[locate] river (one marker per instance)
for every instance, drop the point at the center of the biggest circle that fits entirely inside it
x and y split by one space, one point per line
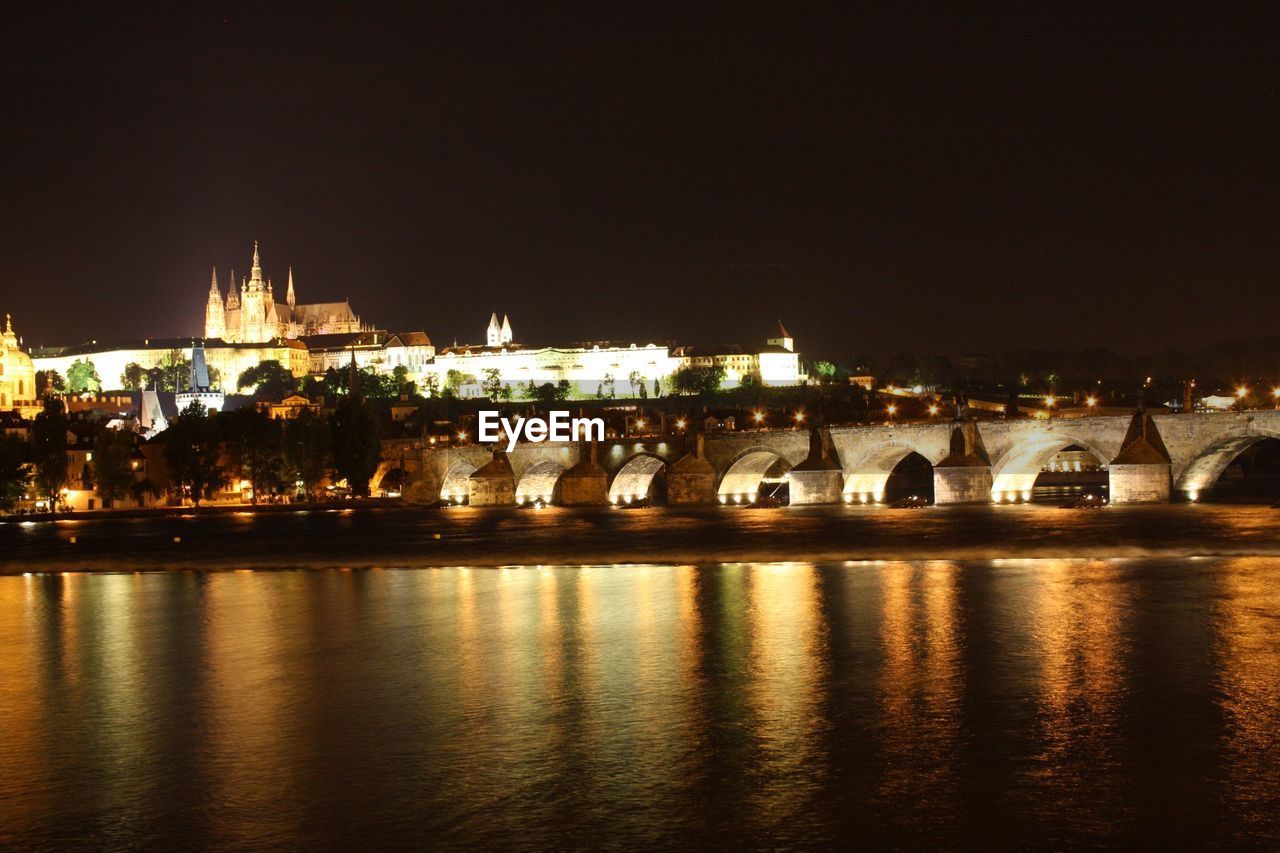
1123 692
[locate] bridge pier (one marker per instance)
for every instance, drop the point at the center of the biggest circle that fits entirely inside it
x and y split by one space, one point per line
964 474
691 478
818 479
1142 471
586 483
962 485
494 484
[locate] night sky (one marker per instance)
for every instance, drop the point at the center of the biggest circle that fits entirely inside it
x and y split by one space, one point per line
880 178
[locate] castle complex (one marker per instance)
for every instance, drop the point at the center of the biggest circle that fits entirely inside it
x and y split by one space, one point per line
247 326
252 316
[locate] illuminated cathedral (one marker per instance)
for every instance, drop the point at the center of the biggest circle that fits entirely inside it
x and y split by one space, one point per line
250 314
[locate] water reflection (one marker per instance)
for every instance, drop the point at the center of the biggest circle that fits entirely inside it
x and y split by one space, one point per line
1007 703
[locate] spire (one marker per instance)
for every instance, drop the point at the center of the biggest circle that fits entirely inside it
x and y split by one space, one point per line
213 284
782 330
255 273
289 297
494 335
506 330
353 376
8 323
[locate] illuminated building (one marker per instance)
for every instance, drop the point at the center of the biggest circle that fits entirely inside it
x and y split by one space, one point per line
17 375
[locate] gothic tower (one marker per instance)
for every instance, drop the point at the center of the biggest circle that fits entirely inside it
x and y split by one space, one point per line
289 298
253 305
493 337
215 321
506 330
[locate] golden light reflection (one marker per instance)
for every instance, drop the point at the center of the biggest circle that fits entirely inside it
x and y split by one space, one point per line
922 682
250 646
1249 651
790 669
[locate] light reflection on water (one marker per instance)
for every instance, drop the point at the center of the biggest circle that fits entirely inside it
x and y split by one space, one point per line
1046 702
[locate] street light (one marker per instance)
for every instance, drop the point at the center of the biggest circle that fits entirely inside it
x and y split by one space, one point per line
892 409
462 436
1048 405
933 409
1091 402
759 416
1241 393
680 423
799 416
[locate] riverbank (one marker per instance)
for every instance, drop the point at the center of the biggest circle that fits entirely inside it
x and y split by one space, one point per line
203 509
332 536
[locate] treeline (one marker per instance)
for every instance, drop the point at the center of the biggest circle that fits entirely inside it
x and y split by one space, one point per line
203 450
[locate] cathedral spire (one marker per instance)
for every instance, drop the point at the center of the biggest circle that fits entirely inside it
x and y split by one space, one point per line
255 272
213 284
289 297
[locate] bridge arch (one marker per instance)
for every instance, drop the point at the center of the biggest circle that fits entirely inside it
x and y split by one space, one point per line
1208 464
867 474
743 477
1014 473
635 478
454 485
540 480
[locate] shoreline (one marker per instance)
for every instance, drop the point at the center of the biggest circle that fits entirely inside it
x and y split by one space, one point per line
293 538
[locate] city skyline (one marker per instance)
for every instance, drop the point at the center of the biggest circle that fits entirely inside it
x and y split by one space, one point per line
832 165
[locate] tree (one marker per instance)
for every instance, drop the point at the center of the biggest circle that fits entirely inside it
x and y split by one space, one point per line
254 439
492 383
698 380
82 377
215 378
356 446
431 385
267 380
15 470
49 382
400 376
49 438
193 452
112 472
825 371
453 382
607 386
635 380
175 371
134 377
306 450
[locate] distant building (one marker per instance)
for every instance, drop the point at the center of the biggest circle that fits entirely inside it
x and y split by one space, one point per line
776 363
17 375
596 367
199 390
250 313
228 360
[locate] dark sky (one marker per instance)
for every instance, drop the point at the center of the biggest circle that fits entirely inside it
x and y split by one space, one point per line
880 177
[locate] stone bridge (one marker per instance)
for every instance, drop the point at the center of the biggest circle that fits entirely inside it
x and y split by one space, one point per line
1148 458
